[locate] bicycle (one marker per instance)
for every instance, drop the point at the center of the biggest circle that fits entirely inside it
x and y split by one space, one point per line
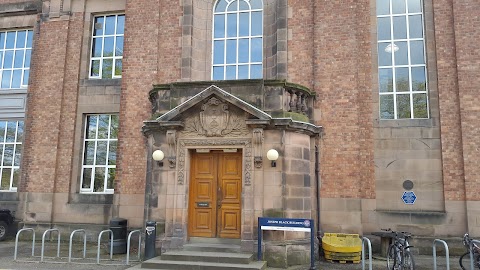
399 256
467 242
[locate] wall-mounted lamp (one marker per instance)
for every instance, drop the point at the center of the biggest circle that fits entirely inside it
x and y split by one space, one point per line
272 155
158 156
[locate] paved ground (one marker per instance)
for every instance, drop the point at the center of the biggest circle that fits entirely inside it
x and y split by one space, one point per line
24 253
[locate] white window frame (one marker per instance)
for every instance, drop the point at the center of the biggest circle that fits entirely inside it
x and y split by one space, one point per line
23 68
93 166
101 58
409 65
237 38
3 144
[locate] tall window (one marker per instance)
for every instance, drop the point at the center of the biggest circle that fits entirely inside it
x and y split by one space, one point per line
107 47
237 40
15 54
11 136
401 59
99 154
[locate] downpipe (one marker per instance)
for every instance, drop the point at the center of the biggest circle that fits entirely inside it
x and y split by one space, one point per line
317 187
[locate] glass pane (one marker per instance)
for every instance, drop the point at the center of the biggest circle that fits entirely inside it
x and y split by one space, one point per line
95 71
18 155
383 7
114 127
21 38
11 130
385 79
218 73
112 153
17 78
118 67
103 121
256 50
231 25
231 73
418 79
99 180
399 27
233 6
384 54
120 24
6 175
420 106
416 49
98 26
403 106
398 6
16 177
243 50
402 82
231 51
1 57
3 126
414 6
26 74
383 28
91 126
29 39
2 39
108 47
110 25
386 107
87 177
18 62
111 178
244 24
8 61
10 40
89 153
256 4
119 46
218 52
8 155
243 5
19 132
256 72
257 24
219 26
27 58
221 5
107 68
401 55
6 76
415 26
101 155
97 47
243 72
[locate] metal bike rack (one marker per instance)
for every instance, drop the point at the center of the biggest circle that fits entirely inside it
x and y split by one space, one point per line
471 252
447 255
43 242
128 245
111 245
84 244
16 241
365 239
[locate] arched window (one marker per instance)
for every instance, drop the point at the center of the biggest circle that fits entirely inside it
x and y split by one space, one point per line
237 40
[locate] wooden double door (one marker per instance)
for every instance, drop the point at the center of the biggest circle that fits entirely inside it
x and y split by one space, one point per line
215 195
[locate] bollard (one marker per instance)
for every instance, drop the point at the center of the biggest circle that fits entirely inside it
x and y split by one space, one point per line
150 238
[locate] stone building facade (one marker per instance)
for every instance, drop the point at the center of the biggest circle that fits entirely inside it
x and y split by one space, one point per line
386 90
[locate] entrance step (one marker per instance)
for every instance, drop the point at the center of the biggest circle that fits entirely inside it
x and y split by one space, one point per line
158 263
217 257
212 247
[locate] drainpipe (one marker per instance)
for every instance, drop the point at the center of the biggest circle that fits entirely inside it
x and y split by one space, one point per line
317 183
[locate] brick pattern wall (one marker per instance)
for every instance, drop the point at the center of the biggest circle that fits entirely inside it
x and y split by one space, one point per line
450 120
467 33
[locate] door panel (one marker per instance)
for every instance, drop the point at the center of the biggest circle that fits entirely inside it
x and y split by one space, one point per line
215 195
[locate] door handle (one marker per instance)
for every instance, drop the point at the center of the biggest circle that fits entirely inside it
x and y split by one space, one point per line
219 197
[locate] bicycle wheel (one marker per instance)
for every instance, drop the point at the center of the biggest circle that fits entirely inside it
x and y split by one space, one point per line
392 263
464 260
408 262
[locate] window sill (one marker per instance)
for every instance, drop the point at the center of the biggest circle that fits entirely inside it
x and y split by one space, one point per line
91 198
102 82
406 123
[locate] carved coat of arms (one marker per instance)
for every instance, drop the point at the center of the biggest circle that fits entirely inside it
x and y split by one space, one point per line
214 117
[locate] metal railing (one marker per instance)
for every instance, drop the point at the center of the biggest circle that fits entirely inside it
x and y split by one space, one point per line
369 244
111 245
84 244
447 254
43 243
128 245
16 241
